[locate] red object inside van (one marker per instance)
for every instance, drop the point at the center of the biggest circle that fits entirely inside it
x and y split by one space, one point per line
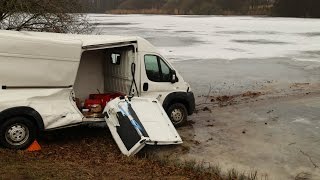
90 102
101 99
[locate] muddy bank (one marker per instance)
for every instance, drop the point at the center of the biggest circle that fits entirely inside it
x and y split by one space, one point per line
253 115
277 136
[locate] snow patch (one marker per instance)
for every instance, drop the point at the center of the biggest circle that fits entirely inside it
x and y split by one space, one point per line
302 120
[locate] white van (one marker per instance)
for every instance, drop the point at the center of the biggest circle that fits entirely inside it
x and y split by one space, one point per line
46 79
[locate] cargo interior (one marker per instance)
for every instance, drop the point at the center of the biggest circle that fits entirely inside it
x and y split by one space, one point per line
102 73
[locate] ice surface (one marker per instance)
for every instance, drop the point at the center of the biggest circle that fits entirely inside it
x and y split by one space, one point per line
220 37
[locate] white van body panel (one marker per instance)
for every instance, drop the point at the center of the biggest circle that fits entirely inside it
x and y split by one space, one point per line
32 61
39 70
28 65
119 77
137 122
54 105
160 90
97 74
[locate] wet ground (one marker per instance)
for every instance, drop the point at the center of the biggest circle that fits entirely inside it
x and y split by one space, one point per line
279 137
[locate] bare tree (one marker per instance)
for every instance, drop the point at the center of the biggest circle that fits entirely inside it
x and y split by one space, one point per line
61 16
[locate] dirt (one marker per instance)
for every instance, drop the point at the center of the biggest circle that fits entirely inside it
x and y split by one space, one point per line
85 153
227 100
212 100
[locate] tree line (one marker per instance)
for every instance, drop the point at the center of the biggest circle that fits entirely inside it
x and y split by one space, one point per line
288 8
69 16
297 8
61 16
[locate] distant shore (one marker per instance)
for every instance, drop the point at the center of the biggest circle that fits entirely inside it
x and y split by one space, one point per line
264 13
260 12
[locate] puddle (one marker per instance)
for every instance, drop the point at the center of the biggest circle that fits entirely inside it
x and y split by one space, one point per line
163 29
248 32
170 41
311 34
235 49
184 31
315 53
308 55
258 41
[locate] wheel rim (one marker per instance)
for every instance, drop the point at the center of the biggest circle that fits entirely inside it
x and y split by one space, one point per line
177 116
17 134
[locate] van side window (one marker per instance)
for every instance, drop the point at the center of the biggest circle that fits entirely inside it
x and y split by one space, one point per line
157 70
152 68
166 73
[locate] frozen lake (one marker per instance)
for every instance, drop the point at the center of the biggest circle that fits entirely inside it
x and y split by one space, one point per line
231 54
220 37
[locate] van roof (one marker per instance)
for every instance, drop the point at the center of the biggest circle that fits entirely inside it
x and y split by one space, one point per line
50 59
87 40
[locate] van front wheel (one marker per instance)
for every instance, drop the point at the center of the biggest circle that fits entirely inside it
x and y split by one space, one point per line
17 133
178 114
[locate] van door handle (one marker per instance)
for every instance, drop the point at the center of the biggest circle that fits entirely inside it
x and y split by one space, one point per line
145 86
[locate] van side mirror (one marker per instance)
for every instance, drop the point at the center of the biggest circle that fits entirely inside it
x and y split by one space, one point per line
174 78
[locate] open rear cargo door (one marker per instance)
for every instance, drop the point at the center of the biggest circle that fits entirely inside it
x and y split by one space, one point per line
137 122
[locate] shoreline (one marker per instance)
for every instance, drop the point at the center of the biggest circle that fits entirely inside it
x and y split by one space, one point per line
186 14
263 134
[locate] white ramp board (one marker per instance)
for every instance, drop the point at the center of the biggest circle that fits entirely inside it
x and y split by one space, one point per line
137 122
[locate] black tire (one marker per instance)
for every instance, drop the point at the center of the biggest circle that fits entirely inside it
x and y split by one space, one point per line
178 114
18 133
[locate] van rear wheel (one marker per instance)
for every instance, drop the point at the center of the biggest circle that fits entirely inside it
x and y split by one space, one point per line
178 114
17 133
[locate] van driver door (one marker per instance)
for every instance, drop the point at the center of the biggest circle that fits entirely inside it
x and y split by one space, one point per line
156 77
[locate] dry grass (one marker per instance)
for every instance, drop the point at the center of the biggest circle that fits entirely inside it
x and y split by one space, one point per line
203 170
90 153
